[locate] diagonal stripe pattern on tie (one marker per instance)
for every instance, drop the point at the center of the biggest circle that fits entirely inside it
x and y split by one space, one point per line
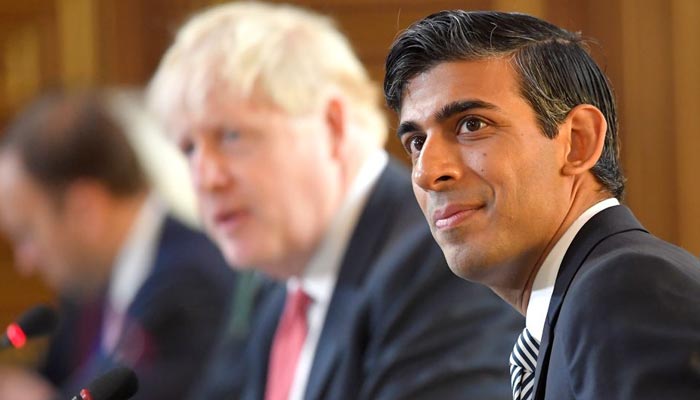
523 360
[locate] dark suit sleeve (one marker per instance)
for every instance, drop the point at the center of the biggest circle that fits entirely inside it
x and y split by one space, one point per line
177 330
630 329
433 335
226 371
176 315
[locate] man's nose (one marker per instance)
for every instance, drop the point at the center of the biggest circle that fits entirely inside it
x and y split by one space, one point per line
438 165
209 171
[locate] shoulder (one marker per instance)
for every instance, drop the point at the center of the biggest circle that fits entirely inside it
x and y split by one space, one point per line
632 312
184 240
187 269
188 251
636 265
632 276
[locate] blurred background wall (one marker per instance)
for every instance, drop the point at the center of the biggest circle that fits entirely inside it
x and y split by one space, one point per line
649 48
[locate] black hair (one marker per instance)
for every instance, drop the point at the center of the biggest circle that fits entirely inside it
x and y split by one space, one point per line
555 70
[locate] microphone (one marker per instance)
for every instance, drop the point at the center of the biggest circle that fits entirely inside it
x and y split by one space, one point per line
119 383
37 321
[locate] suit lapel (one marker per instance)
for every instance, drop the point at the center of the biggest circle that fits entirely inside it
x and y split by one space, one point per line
258 351
169 248
366 242
606 223
331 343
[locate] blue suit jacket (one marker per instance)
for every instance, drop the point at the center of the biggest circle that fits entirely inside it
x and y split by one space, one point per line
171 324
624 320
399 325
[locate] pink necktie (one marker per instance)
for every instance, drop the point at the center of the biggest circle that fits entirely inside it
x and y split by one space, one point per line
286 346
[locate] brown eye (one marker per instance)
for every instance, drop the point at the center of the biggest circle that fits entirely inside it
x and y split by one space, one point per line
414 144
471 124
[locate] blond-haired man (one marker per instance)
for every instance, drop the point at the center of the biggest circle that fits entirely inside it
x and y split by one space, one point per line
284 137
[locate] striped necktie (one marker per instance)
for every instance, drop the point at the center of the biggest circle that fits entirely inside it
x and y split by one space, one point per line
523 360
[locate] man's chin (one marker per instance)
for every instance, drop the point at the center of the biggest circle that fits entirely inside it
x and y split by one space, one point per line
468 265
466 273
238 259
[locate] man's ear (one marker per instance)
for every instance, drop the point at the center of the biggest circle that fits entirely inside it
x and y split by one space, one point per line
335 121
586 127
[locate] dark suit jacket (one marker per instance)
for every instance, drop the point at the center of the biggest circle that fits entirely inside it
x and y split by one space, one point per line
225 371
171 324
399 325
624 320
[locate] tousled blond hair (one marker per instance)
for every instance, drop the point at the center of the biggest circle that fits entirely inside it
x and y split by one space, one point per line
290 55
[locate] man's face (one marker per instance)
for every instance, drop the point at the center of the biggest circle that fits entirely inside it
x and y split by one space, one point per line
267 182
41 232
487 179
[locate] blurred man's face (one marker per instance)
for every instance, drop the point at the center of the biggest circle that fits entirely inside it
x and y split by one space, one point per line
42 234
489 182
267 183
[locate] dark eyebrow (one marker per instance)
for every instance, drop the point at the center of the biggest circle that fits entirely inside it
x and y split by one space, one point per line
445 113
460 106
406 127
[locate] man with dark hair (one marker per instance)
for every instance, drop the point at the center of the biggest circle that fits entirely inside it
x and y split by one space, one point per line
139 288
512 131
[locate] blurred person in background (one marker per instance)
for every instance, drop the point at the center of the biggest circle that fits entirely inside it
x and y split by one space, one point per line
284 136
138 287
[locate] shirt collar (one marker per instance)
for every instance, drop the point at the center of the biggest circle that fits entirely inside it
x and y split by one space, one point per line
320 275
135 259
543 286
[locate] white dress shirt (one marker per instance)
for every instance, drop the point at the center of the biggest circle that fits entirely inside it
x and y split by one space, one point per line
321 274
131 268
543 286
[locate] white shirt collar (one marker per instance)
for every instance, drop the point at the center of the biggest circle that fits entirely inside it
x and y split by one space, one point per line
543 286
318 279
135 259
320 276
